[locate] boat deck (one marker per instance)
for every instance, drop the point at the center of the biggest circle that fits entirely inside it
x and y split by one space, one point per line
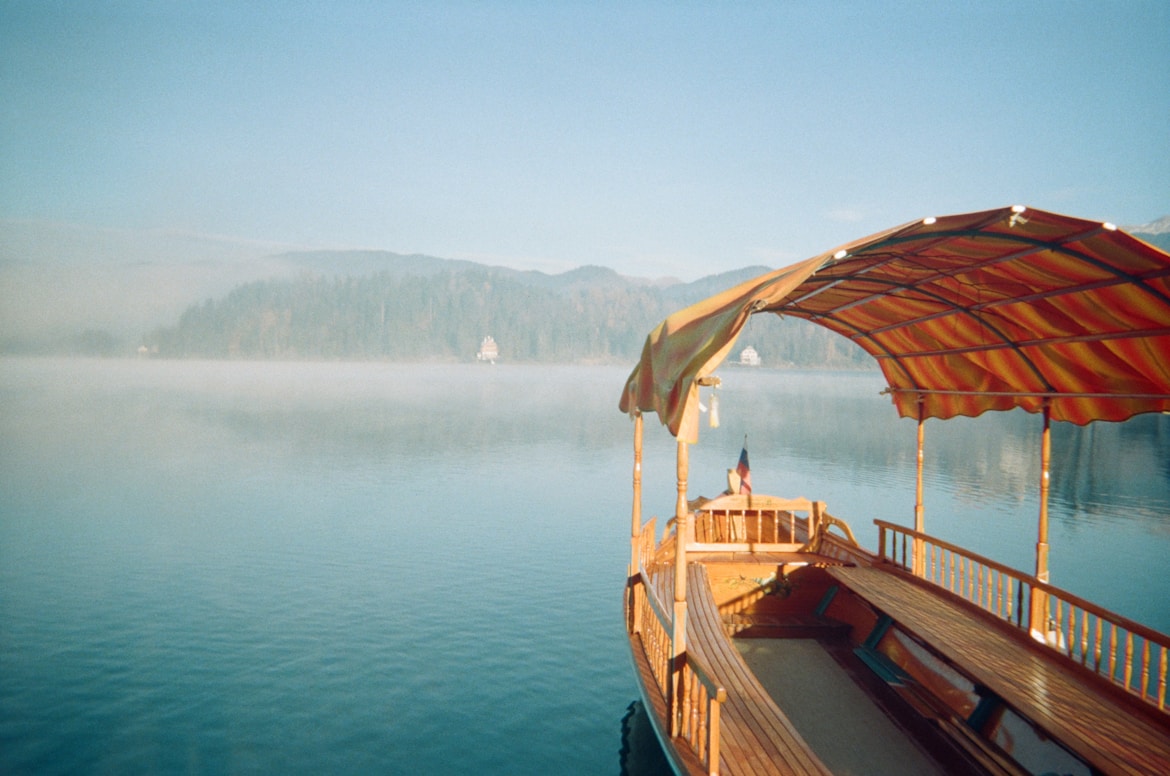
838 718
1108 730
1102 728
759 738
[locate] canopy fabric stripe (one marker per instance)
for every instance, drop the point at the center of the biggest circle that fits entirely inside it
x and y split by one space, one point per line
965 313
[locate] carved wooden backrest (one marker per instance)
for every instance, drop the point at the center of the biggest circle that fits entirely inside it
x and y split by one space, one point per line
744 517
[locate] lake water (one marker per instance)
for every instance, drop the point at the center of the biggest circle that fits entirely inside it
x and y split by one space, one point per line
377 568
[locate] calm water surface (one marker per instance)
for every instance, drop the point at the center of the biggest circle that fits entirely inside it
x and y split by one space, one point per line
372 568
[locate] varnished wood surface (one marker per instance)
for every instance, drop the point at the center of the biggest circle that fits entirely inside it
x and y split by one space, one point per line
758 739
764 558
682 757
1095 724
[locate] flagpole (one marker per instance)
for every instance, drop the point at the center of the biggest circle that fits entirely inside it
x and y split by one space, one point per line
744 470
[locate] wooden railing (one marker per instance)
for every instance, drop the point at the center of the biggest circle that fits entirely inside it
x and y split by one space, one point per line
1126 652
653 621
693 699
842 547
828 521
645 545
702 701
745 523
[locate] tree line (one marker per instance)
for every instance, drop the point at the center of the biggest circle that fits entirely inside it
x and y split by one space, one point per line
445 315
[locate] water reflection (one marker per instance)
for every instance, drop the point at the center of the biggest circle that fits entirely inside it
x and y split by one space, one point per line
422 408
310 568
1118 471
641 753
1103 471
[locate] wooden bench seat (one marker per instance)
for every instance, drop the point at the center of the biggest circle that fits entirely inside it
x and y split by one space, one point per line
757 738
1099 726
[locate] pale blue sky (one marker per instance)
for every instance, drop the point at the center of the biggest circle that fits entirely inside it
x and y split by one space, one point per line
654 138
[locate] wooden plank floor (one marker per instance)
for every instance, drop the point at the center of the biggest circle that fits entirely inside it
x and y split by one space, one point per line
1098 727
835 714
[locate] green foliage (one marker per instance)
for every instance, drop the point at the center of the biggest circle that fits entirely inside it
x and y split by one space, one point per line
577 317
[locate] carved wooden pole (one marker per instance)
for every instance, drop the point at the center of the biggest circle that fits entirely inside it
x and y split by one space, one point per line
679 635
636 510
919 512
681 532
1039 599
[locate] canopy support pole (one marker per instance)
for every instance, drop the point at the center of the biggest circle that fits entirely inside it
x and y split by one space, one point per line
636 510
919 567
678 638
1039 621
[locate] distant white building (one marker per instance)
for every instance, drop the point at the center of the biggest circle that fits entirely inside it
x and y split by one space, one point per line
749 357
488 351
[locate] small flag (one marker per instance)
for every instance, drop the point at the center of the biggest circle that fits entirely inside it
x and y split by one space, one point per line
744 471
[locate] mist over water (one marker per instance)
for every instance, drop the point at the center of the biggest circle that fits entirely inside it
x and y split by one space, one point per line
356 568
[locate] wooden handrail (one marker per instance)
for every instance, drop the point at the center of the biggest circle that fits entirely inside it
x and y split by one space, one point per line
700 698
661 613
1132 625
1066 618
827 521
645 544
702 702
652 621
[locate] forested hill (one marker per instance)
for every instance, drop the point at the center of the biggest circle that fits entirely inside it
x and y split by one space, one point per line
369 305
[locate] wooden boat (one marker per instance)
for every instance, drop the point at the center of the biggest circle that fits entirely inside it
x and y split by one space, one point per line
766 640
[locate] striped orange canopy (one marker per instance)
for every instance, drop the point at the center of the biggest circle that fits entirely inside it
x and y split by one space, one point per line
966 313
